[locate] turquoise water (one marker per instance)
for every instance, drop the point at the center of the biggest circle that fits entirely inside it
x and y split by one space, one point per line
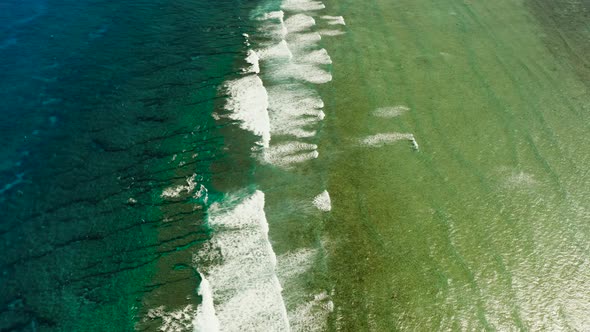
104 105
294 165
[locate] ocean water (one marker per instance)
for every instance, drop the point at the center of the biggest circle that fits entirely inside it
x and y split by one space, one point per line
484 226
108 148
294 165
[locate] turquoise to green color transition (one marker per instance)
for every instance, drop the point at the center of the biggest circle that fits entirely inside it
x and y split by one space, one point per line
481 223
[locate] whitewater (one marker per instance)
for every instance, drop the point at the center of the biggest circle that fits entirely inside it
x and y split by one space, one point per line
274 99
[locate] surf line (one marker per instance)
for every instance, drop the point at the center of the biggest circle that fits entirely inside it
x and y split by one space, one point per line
295 61
240 289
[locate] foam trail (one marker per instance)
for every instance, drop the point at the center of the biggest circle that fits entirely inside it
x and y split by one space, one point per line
304 41
290 153
387 138
240 265
285 126
333 20
323 202
206 319
277 51
318 56
293 59
300 46
273 24
274 15
391 112
298 23
292 147
307 61
248 103
305 72
312 316
293 108
288 161
293 264
308 312
331 33
302 5
297 98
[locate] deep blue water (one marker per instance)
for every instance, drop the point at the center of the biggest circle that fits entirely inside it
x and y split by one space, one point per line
104 104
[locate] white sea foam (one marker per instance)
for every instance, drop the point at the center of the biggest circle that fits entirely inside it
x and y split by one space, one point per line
202 193
301 42
247 39
274 15
252 58
296 70
292 147
312 315
387 138
294 109
295 99
296 55
302 5
391 112
240 265
415 145
520 180
311 73
287 161
176 191
307 312
331 33
318 56
205 319
297 128
299 23
307 62
276 31
273 24
276 51
334 19
248 103
323 202
180 320
293 264
289 153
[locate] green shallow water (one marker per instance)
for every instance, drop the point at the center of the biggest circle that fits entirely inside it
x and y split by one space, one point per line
484 227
